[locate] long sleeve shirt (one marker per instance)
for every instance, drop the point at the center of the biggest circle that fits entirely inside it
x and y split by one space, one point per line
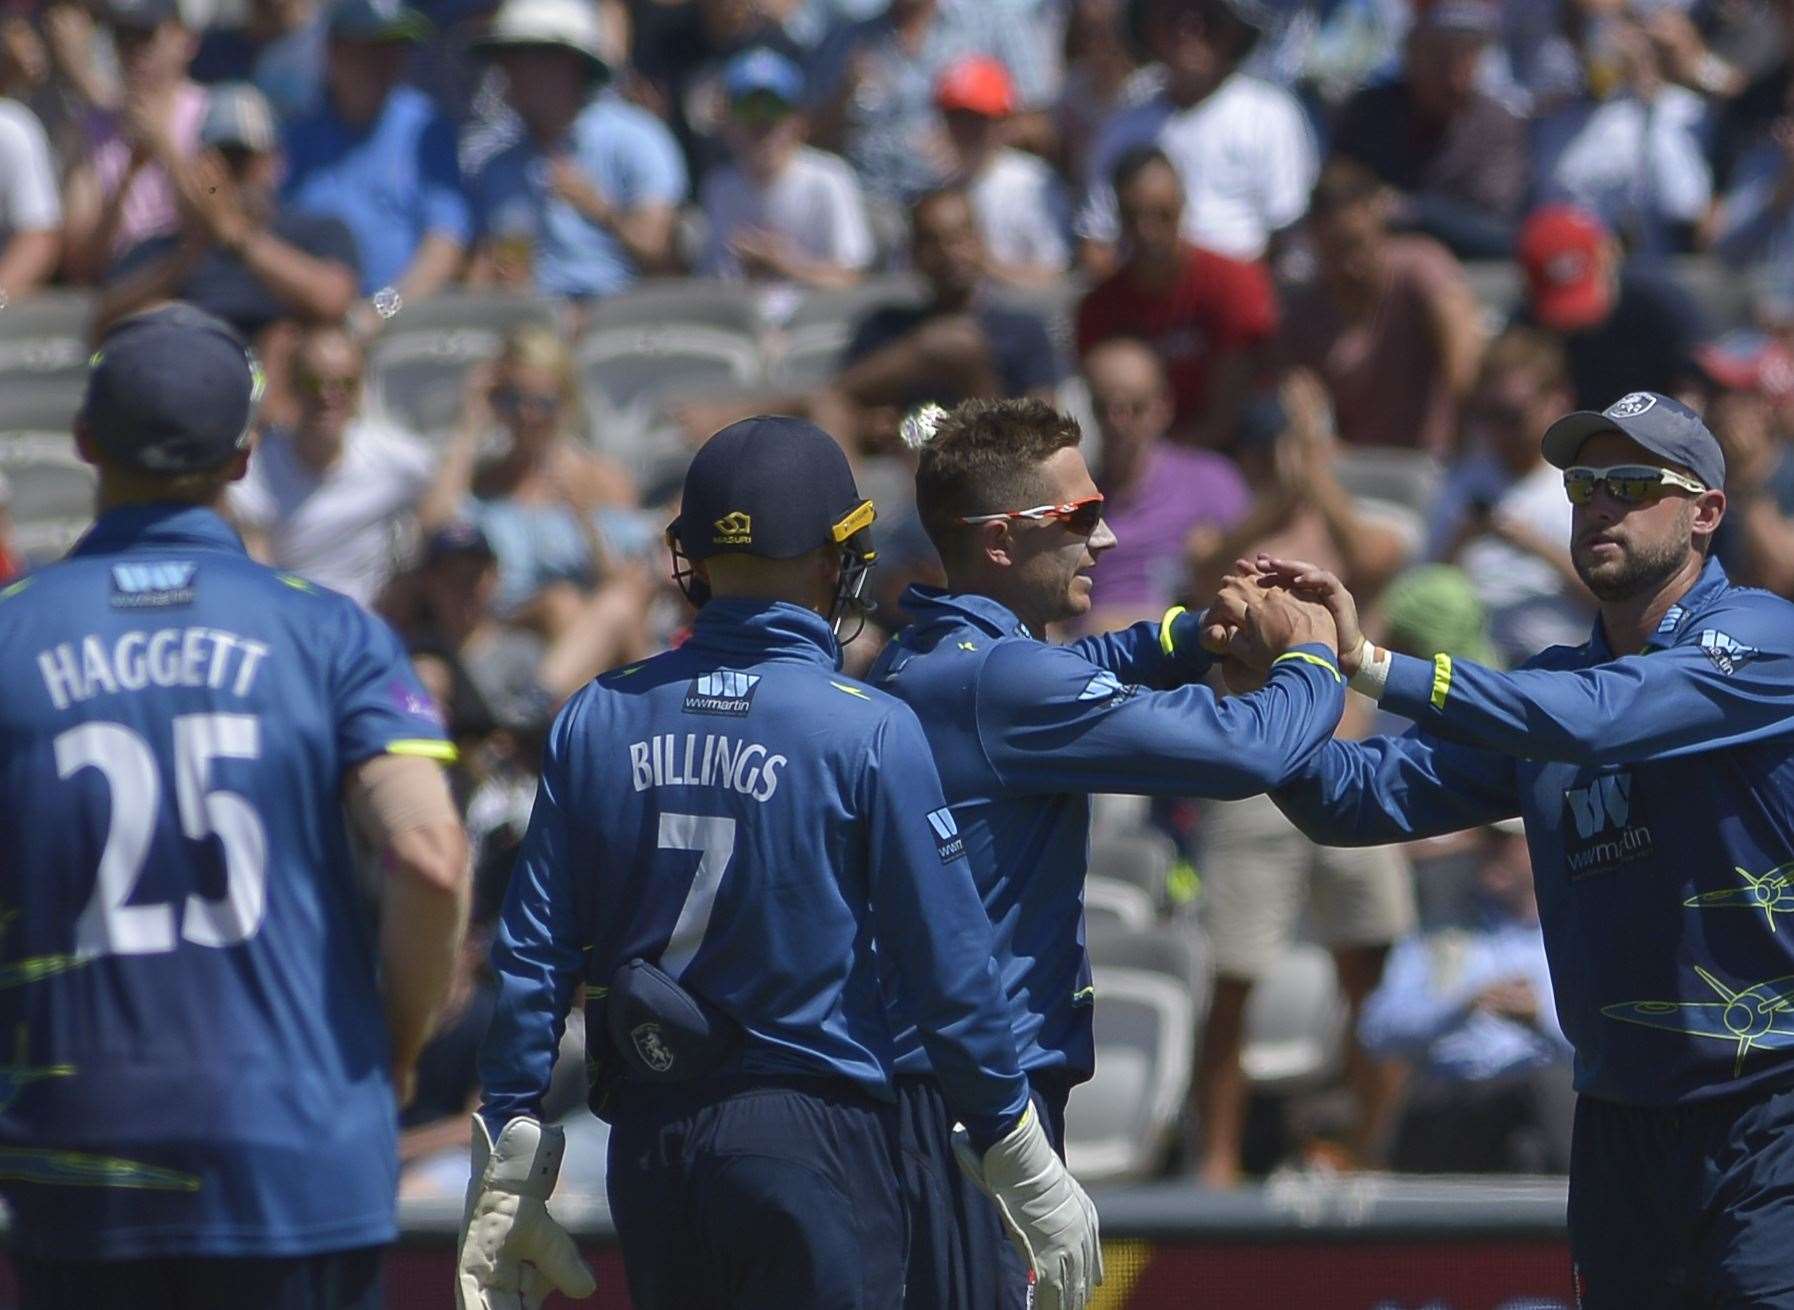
1658 795
1024 731
772 833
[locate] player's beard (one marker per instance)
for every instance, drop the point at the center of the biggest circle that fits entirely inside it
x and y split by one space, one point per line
1642 569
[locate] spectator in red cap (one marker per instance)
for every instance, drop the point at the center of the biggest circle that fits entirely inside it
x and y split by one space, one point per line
1208 317
1744 384
1454 155
1021 209
1625 328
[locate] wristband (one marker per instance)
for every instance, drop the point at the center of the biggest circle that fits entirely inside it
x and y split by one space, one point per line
1373 671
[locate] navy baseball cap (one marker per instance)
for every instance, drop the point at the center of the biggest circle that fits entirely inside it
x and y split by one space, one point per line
1662 426
769 486
171 390
458 539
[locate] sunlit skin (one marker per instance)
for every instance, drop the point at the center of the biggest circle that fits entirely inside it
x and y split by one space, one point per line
1628 553
1040 568
327 374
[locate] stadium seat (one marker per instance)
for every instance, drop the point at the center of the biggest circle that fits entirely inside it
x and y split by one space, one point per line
1142 859
724 306
1295 1023
1120 903
633 369
417 365
1406 478
1118 1124
52 492
43 358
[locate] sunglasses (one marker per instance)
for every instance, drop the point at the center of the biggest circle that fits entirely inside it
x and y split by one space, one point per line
1630 484
337 385
1078 516
511 399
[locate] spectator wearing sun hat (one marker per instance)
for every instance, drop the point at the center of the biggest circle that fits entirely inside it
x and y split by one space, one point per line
1625 328
586 199
1022 210
779 208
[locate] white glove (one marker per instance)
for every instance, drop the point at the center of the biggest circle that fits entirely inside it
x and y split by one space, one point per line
1050 1220
512 1251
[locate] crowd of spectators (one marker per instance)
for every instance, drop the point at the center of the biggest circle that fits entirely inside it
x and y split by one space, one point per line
1265 224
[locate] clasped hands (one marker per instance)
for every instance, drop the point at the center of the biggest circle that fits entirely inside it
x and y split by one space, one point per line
1267 607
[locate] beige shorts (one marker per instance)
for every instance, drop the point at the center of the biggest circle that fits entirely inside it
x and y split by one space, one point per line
1259 872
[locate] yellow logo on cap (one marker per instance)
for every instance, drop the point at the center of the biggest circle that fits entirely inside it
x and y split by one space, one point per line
733 529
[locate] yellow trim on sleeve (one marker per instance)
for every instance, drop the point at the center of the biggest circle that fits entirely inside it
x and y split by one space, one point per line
1166 644
1441 679
1306 658
425 747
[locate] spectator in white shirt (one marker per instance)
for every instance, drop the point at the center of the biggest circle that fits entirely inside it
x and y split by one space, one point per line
1020 206
30 208
327 498
1242 146
779 208
1631 150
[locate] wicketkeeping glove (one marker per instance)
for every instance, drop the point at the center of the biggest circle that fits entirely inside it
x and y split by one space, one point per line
1050 1220
512 1251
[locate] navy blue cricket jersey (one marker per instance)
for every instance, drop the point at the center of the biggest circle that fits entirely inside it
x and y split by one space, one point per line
754 821
198 1053
1658 794
1024 731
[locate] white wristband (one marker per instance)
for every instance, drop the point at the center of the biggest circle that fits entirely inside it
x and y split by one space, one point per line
1373 671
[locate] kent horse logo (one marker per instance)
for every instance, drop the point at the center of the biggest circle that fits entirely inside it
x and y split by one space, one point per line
655 1053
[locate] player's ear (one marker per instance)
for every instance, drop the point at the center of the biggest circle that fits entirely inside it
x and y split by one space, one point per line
84 443
996 543
1709 510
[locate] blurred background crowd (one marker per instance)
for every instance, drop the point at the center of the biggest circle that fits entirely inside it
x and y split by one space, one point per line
1314 275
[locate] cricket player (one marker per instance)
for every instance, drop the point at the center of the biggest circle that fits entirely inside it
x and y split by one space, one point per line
721 836
1654 767
205 1040
1023 731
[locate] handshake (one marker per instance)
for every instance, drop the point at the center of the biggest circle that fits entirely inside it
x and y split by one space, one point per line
1267 607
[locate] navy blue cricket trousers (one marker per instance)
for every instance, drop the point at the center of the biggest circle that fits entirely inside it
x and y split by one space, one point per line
960 1256
1684 1208
757 1194
336 1280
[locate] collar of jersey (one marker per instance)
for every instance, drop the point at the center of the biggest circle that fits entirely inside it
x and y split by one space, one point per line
933 605
1706 589
158 526
764 627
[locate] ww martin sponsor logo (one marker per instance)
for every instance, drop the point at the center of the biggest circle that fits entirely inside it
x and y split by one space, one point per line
1599 833
947 841
152 585
724 692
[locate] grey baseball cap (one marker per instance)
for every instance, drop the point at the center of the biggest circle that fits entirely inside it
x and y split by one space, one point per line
1662 426
237 114
171 390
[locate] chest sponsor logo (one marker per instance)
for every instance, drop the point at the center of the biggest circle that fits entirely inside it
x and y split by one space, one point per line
724 692
948 844
1672 619
1727 653
1599 835
151 586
